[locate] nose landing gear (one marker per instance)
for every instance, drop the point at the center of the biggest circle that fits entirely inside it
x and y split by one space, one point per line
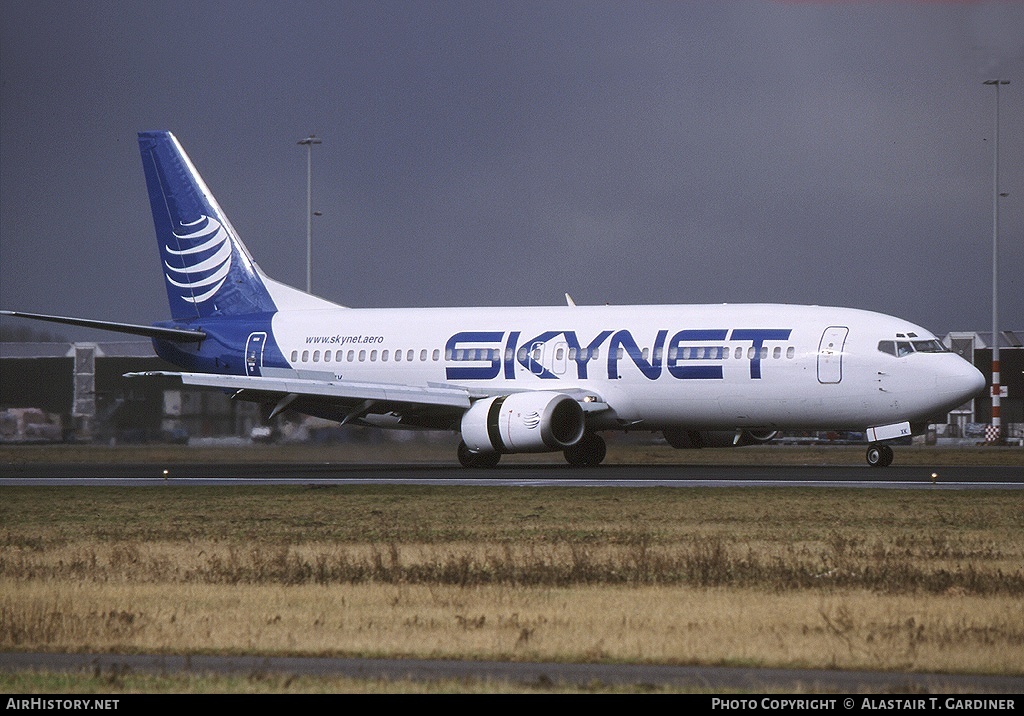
879 455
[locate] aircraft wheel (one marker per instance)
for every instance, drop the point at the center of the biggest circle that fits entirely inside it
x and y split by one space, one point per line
887 456
590 451
879 455
477 459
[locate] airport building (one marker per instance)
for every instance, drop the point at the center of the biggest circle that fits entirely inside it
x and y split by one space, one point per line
80 388
78 392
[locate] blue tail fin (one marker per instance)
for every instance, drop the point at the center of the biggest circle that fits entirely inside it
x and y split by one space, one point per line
207 269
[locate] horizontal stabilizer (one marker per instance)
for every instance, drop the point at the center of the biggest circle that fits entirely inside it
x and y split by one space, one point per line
181 335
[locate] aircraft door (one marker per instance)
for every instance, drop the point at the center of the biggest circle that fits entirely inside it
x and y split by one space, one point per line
254 353
830 354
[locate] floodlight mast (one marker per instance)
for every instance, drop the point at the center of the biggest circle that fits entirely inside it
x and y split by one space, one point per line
995 436
309 142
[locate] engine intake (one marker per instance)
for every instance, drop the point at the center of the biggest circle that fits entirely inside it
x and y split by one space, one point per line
540 421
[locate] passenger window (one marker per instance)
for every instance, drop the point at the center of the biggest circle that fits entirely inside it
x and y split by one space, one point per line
437 354
384 356
373 356
410 355
338 356
790 352
295 356
777 353
305 356
362 356
351 356
327 356
739 353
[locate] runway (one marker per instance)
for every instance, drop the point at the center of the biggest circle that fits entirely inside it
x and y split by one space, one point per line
967 477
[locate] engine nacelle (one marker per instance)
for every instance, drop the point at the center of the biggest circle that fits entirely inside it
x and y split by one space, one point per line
696 439
539 421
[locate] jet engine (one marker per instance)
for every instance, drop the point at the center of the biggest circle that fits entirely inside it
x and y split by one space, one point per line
540 421
695 439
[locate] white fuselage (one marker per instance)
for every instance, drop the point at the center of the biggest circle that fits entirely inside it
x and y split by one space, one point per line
700 366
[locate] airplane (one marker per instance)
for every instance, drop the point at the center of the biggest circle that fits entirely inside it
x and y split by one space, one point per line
527 379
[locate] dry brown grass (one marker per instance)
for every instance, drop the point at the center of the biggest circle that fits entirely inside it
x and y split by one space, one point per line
847 629
917 580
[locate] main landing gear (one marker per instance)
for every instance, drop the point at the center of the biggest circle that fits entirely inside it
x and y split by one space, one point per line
485 460
588 452
879 455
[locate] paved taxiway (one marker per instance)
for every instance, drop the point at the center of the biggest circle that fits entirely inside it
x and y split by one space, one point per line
896 477
583 675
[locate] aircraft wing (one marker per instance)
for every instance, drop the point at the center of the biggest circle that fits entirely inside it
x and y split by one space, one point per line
346 400
321 385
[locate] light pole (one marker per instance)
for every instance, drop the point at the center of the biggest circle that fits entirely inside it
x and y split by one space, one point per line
309 142
996 434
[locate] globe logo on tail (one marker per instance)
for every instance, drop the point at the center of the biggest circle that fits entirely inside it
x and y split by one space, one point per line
205 253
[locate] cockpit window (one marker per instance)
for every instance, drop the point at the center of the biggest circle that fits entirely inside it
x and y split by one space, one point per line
905 348
932 346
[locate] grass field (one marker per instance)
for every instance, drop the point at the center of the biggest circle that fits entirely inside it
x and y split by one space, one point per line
888 580
829 579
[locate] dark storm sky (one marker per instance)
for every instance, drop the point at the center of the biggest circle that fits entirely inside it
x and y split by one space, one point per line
503 153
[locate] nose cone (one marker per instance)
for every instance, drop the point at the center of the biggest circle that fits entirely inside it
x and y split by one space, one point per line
960 382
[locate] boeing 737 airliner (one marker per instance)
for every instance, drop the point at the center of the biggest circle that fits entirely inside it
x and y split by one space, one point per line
540 379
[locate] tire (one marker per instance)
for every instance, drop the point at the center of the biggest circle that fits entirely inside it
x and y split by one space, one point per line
485 460
879 455
590 451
